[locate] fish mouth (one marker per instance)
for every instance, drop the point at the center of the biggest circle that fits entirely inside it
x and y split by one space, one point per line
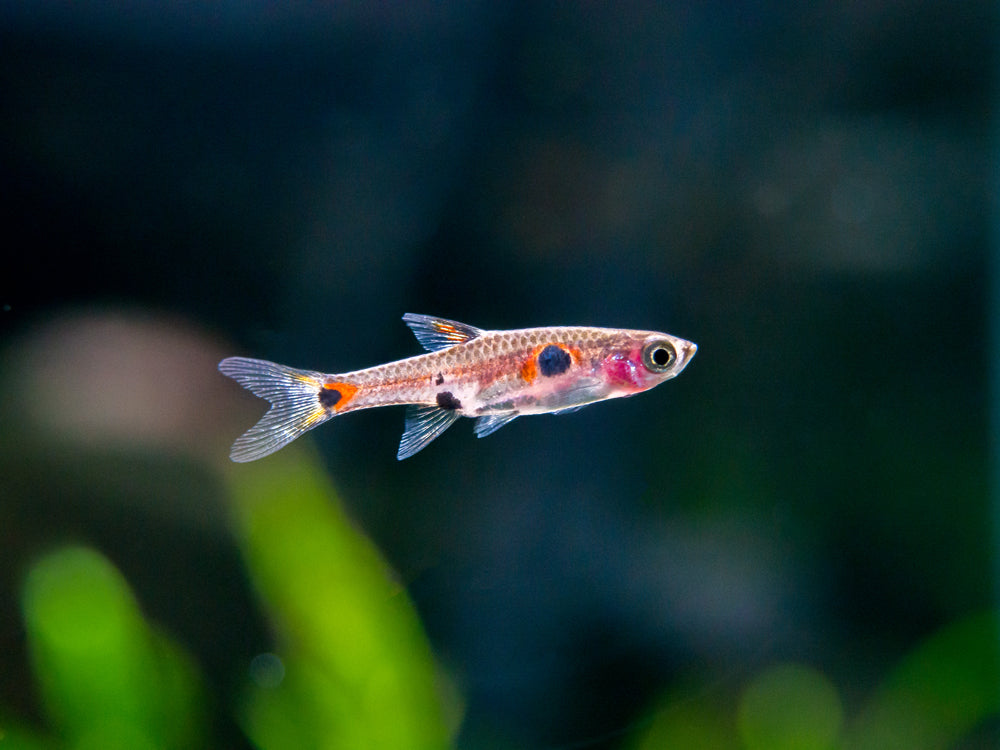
688 350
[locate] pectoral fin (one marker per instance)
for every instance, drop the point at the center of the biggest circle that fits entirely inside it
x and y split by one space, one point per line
423 424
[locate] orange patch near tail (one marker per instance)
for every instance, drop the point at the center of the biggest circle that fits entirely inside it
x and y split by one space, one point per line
337 396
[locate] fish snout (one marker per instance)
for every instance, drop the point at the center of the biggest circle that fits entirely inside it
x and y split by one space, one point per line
685 354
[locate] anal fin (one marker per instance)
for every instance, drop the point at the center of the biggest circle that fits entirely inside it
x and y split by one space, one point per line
492 422
423 424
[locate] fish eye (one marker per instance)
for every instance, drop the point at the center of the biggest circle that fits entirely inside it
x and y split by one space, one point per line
658 356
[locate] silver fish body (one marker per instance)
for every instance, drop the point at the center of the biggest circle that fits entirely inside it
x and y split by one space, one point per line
492 376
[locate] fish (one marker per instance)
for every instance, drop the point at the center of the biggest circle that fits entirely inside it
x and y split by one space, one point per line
493 377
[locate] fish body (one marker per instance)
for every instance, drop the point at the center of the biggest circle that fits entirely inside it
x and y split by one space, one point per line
491 376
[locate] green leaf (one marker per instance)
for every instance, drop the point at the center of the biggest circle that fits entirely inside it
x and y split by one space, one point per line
790 707
107 680
939 693
358 670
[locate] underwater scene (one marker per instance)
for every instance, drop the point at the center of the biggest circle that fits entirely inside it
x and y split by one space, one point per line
682 315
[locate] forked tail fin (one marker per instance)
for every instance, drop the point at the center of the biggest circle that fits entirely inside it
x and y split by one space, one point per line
300 400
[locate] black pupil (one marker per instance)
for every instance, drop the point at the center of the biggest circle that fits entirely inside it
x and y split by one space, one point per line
661 357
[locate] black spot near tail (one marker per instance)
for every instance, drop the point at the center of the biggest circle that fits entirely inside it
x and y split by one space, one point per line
446 401
329 397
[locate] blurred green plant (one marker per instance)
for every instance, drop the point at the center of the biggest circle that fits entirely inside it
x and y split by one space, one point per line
689 718
352 667
939 693
358 668
106 678
934 699
789 707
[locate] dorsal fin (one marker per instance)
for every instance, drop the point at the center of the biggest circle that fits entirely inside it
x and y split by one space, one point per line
437 333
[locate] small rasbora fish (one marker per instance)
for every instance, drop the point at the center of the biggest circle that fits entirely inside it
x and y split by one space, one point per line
491 376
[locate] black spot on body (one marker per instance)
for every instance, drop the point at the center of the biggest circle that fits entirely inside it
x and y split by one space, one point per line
439 379
329 397
446 401
553 360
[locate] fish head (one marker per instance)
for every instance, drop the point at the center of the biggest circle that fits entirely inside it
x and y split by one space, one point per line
640 360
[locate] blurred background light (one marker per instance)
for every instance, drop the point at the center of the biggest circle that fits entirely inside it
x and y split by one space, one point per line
790 707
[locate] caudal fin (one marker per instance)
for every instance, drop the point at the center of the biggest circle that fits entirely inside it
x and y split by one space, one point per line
297 404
